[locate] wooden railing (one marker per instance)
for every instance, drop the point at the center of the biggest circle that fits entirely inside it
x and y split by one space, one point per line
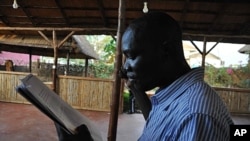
237 100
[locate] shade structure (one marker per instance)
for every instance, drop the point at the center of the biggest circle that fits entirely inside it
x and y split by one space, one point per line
77 47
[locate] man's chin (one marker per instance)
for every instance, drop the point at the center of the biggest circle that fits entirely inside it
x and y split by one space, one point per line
131 83
134 84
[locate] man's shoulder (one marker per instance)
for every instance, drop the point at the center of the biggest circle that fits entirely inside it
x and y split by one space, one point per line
204 99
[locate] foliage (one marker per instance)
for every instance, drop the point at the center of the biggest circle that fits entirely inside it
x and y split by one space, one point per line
104 67
217 76
105 46
101 69
125 101
109 50
228 76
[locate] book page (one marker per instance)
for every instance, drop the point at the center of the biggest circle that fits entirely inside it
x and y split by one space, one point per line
54 107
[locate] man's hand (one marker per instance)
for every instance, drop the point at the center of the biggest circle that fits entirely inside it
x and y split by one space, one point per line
142 99
82 134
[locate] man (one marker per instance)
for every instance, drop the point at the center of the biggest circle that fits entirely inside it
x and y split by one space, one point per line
184 108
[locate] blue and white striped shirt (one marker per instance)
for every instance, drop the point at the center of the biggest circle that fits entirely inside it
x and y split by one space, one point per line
187 110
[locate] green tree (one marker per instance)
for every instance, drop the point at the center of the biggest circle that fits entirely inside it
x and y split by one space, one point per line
105 46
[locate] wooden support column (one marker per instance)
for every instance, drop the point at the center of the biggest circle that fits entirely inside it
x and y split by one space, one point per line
191 40
30 60
214 45
86 67
117 84
55 46
67 67
54 68
204 52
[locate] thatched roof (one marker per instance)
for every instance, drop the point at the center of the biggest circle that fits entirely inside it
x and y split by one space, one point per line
36 45
84 46
245 49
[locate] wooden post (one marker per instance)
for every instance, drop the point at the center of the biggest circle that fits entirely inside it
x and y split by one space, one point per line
204 52
55 46
86 67
214 46
67 67
117 84
30 60
54 68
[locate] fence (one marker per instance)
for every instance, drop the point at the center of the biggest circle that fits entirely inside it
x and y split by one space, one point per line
86 93
95 94
237 100
8 82
80 92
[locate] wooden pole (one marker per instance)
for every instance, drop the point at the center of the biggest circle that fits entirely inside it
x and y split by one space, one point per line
214 46
67 67
204 52
54 68
30 60
117 84
86 67
65 39
54 29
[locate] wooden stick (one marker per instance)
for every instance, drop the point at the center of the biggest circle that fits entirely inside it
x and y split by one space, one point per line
55 60
117 85
55 28
66 38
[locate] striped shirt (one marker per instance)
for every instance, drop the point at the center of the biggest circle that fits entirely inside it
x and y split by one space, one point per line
187 110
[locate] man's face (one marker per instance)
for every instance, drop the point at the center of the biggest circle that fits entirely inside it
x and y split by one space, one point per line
143 62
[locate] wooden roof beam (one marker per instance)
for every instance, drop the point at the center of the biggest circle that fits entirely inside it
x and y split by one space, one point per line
217 17
102 11
245 28
217 36
3 18
55 28
62 12
27 13
184 12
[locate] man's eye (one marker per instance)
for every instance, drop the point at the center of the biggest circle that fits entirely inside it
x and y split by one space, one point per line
131 57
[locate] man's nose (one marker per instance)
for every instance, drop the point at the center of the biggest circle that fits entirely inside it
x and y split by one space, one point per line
126 66
124 69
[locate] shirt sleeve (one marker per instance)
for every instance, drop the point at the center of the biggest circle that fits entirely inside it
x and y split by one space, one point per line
201 127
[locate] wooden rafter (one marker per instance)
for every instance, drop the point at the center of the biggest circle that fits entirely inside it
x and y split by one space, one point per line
245 28
3 18
102 12
217 17
62 12
184 12
27 13
55 28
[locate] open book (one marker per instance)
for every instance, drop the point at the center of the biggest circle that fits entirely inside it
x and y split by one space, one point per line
48 102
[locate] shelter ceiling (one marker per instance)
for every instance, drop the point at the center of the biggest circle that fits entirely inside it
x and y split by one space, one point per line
227 19
76 47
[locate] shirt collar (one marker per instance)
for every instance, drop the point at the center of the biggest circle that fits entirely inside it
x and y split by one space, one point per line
174 90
